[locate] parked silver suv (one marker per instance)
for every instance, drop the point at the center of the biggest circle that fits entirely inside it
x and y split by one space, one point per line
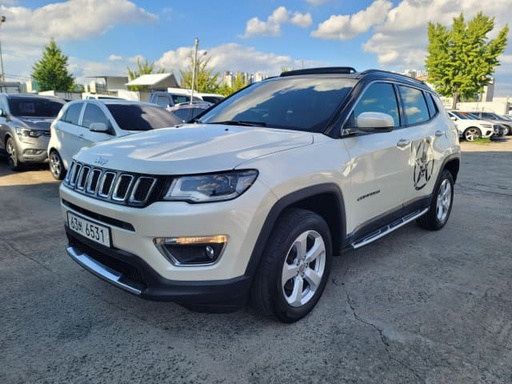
25 127
250 203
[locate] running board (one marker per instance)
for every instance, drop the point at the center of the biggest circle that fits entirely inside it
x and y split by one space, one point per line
388 229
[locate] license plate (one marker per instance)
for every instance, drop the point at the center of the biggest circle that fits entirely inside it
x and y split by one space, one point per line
95 232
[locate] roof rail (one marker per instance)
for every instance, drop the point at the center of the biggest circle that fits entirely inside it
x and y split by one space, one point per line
320 70
413 79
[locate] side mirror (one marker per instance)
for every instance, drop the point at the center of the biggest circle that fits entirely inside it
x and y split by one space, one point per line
375 122
3 113
98 127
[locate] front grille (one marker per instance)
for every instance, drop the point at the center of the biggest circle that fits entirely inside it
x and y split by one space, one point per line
118 187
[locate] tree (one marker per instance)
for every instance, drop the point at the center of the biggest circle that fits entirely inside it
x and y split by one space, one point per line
460 61
51 71
205 82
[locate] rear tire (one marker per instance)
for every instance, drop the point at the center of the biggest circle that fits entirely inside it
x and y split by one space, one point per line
441 205
56 166
294 268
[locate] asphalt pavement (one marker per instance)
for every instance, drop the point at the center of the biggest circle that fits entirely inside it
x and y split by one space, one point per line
413 307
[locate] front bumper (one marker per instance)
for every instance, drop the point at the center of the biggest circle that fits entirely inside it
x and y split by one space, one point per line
132 260
130 273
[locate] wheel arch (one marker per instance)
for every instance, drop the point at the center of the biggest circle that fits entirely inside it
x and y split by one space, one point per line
324 199
452 163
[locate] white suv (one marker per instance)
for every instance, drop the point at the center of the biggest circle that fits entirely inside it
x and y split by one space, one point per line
250 203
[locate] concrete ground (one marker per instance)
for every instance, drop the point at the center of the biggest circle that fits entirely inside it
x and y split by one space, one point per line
413 307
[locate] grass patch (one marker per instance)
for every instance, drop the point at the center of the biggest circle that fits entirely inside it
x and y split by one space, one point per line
481 141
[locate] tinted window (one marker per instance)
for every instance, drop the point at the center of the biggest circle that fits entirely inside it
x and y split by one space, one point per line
178 99
415 106
379 97
72 113
35 107
134 117
299 103
94 114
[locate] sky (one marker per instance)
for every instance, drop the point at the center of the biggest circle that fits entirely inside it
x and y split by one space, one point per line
105 37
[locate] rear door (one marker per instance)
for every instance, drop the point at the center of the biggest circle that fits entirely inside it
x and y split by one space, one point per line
426 133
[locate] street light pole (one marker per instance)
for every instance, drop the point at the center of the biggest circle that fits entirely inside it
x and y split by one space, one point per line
2 20
196 45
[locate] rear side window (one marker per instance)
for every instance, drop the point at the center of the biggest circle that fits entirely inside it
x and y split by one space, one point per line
72 114
415 106
432 108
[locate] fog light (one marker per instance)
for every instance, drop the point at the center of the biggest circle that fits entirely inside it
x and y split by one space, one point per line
198 250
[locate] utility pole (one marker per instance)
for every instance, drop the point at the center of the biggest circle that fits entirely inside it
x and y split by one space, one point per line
196 45
2 20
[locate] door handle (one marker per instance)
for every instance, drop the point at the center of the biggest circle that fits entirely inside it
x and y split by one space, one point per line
403 143
439 133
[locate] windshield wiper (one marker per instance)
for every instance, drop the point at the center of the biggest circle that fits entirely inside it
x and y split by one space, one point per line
241 122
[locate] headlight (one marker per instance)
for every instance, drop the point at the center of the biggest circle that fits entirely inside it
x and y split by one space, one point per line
211 187
27 132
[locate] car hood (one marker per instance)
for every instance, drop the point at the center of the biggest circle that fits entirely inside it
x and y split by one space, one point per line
191 148
41 123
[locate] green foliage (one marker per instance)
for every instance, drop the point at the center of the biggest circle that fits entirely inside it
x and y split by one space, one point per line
51 71
143 68
205 80
238 83
461 60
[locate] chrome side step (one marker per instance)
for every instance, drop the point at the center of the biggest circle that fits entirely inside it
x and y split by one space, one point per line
100 270
388 229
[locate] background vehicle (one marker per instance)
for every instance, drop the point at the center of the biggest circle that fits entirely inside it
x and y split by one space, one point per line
177 96
250 203
25 127
83 122
496 119
470 127
186 111
170 99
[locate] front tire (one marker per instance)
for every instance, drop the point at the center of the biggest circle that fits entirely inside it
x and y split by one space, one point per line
472 134
56 166
441 205
294 268
12 155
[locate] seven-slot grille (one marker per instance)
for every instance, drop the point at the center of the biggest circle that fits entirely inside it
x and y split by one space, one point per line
115 186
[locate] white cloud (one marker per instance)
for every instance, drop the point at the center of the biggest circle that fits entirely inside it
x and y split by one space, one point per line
272 27
401 41
66 21
233 57
344 27
115 58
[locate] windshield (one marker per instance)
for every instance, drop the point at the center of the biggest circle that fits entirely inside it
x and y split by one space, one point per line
133 117
301 103
35 107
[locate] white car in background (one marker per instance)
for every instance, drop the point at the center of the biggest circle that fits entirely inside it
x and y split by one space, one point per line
469 127
84 122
